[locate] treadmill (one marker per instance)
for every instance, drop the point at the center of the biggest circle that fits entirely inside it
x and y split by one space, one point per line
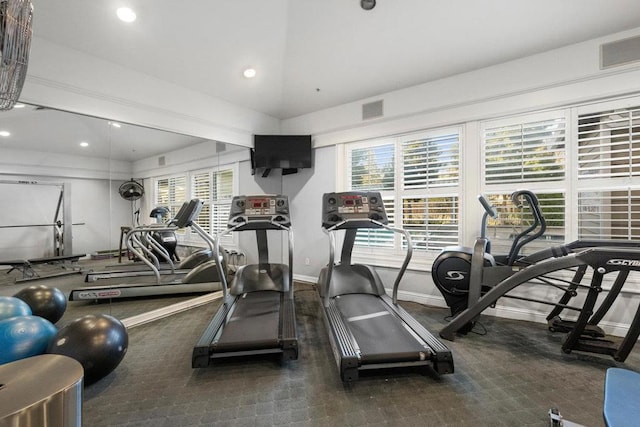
257 315
367 328
193 282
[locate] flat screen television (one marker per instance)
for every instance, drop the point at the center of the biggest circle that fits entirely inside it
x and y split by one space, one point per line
282 151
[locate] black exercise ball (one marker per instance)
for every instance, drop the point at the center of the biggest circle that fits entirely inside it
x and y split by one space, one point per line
98 342
44 301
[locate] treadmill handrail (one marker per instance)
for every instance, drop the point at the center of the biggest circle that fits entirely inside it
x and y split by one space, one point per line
332 243
138 253
234 228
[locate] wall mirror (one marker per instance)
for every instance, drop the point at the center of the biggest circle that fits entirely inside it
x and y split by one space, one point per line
63 175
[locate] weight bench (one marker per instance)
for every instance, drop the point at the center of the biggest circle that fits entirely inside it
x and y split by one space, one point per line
621 391
25 266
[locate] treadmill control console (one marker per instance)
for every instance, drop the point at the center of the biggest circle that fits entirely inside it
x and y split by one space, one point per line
265 209
358 208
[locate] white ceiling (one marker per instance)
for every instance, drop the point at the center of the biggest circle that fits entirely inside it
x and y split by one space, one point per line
314 54
309 55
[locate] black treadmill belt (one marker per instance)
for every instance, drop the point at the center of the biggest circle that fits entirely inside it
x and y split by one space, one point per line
253 324
381 336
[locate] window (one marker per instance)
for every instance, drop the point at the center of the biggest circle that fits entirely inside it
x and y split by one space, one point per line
372 169
608 171
526 152
513 220
171 192
418 176
215 187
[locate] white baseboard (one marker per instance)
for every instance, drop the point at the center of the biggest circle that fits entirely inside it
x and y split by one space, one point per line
303 278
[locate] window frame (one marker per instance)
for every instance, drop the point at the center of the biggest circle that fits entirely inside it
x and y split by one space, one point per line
187 237
393 257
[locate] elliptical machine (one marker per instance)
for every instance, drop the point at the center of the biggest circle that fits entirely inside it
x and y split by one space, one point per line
461 280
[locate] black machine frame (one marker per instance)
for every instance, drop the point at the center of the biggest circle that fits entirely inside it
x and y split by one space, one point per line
488 282
346 287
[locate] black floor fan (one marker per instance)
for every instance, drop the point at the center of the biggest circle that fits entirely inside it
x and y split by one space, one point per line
132 190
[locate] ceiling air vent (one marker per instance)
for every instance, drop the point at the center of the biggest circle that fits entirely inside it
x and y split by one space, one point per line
372 110
620 52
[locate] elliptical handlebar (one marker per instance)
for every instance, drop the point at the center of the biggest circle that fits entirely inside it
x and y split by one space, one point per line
539 222
490 210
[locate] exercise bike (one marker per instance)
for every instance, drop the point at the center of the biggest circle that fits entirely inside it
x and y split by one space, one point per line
461 281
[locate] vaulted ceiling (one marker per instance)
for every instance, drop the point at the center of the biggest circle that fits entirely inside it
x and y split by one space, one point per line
314 54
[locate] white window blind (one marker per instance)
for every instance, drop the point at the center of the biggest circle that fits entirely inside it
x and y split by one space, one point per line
379 238
171 192
418 176
432 222
431 162
609 214
525 152
372 168
609 144
201 189
608 171
215 189
222 194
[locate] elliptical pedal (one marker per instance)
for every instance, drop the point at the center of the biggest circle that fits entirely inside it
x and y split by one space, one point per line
556 324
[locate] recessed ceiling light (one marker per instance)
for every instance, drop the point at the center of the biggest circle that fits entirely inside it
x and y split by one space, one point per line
84 144
4 133
19 106
115 124
249 73
126 14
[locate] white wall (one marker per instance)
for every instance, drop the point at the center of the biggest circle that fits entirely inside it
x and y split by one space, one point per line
551 79
305 190
95 204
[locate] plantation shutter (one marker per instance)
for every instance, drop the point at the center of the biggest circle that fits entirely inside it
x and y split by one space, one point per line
171 192
162 192
608 167
431 162
609 144
525 152
222 193
201 189
432 222
372 168
378 238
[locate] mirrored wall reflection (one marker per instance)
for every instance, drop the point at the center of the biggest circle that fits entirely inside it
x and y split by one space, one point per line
62 176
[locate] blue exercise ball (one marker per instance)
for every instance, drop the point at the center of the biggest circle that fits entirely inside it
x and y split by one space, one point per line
24 336
12 307
44 301
98 342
